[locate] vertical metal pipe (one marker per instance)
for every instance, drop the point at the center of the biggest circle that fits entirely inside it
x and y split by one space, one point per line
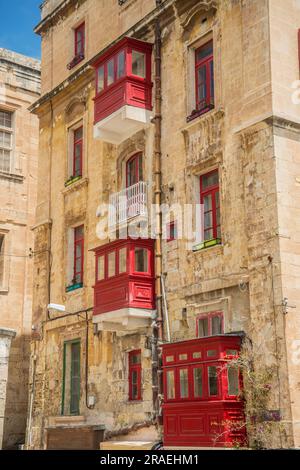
158 327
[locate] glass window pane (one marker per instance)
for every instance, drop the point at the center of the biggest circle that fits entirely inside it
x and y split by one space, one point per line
110 72
78 134
138 64
111 264
135 358
211 353
198 382
216 325
100 79
121 64
233 381
5 119
212 85
141 260
202 327
207 201
212 179
122 260
184 383
170 359
204 51
5 139
208 234
208 220
197 355
4 160
170 384
183 357
212 381
202 90
101 273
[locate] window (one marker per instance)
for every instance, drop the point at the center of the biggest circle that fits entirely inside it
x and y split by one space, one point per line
172 231
78 254
1 259
210 325
122 260
71 378
212 381
198 382
80 40
134 170
6 135
204 69
77 151
184 383
170 385
141 260
111 71
135 379
138 64
233 381
210 198
101 268
112 264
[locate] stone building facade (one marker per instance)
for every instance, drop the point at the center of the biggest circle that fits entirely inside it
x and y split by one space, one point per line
19 88
246 136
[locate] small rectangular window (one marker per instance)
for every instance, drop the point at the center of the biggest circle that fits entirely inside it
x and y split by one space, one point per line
141 260
110 72
184 383
121 64
80 40
212 381
210 200
78 254
135 383
77 151
6 141
170 385
122 260
233 381
202 327
101 268
111 264
71 379
204 72
100 79
198 382
138 64
172 231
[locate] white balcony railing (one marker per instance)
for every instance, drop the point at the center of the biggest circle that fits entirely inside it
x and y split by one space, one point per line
127 204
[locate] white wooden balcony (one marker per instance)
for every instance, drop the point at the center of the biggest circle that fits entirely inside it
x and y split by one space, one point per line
127 204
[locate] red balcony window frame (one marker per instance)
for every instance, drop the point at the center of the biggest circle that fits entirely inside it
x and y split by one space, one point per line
79 44
137 161
77 143
126 45
135 367
207 63
209 317
78 243
204 192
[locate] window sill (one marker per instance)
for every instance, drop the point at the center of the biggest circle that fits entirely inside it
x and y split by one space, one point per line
3 290
73 287
198 113
207 244
72 179
12 176
75 184
76 60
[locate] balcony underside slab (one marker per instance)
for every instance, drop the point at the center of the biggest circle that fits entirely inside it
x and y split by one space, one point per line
125 319
122 124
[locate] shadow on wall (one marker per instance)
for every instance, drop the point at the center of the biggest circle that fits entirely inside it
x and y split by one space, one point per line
15 414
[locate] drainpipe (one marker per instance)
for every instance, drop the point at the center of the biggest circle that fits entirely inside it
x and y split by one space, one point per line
32 395
158 326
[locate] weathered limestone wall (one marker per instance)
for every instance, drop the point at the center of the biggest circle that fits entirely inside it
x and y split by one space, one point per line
247 276
19 87
6 336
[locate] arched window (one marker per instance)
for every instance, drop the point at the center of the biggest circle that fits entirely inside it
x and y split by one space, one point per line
134 169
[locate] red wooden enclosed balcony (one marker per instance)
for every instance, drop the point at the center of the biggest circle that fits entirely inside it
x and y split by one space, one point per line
202 383
123 101
124 291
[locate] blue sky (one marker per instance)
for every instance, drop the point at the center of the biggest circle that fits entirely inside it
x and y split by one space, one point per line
17 20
